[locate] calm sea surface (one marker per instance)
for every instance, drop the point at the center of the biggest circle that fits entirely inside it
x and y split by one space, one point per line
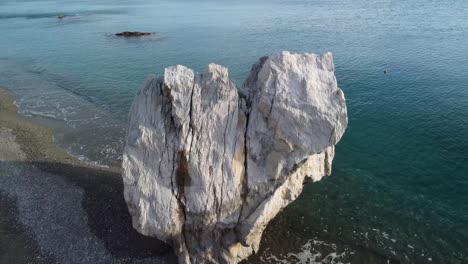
399 188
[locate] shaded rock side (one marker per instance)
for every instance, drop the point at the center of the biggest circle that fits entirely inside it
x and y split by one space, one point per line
205 170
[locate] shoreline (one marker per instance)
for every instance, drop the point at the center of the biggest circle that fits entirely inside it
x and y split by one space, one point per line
36 141
57 209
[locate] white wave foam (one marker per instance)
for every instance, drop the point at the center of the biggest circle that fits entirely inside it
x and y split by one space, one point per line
85 160
311 255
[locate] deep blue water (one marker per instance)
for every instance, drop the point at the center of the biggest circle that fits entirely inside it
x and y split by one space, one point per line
399 188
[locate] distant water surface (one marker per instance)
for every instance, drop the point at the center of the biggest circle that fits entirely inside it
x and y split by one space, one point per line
399 189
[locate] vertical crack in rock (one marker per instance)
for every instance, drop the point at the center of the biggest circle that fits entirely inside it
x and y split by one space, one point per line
190 119
207 166
245 178
182 179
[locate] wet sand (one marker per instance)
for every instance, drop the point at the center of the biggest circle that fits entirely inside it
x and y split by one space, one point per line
56 209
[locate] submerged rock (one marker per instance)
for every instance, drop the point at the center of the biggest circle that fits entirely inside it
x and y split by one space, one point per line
132 34
206 170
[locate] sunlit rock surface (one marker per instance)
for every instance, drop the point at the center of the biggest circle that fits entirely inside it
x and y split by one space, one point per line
205 170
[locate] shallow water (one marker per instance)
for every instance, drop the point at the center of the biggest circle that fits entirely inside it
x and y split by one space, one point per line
400 176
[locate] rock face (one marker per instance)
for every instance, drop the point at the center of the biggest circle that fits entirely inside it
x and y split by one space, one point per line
205 170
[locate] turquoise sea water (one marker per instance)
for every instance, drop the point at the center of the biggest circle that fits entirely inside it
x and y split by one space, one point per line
399 188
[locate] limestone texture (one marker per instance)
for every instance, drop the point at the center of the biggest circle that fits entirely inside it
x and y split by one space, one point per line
207 165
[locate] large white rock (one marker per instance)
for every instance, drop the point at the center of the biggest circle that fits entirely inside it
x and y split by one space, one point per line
205 170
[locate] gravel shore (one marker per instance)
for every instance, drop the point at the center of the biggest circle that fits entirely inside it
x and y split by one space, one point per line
56 209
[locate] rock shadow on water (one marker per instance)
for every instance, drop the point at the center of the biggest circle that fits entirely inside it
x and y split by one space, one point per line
107 213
